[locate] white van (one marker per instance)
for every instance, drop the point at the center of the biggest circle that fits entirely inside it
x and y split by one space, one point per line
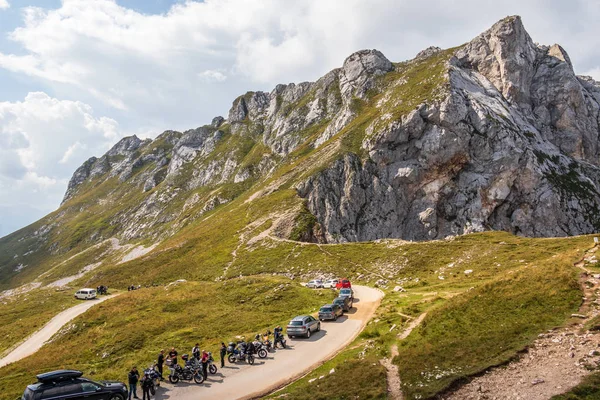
86 294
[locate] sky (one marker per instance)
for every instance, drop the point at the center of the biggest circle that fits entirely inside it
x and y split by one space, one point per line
78 75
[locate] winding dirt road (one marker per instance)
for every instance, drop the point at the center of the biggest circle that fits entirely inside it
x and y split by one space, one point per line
242 381
37 340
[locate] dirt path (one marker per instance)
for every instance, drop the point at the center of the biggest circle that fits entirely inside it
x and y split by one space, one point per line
393 376
557 360
37 340
284 366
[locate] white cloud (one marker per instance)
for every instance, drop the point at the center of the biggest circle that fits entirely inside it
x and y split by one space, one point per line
41 144
4 4
212 76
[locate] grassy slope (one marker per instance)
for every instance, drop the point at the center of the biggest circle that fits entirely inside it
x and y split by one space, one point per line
519 288
132 328
589 389
24 314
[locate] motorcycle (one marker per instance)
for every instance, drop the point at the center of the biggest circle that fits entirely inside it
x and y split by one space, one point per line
212 368
261 348
152 374
187 373
281 340
238 354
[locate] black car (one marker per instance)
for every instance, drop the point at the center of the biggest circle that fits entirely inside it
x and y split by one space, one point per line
68 384
344 302
330 311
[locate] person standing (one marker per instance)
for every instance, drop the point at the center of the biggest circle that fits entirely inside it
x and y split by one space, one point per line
204 361
160 362
196 351
223 354
134 377
146 385
173 356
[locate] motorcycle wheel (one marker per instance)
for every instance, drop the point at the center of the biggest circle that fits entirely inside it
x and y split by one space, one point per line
152 390
262 353
173 379
198 378
251 359
231 358
212 369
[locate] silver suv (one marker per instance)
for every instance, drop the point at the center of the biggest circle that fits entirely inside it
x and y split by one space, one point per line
303 325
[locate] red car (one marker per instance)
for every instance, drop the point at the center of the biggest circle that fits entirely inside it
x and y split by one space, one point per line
343 284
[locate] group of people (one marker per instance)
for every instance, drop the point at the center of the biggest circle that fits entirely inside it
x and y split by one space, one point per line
133 287
102 289
171 360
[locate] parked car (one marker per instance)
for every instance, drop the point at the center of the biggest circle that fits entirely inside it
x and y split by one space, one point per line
343 283
344 302
303 325
347 293
69 384
330 311
315 283
86 294
330 283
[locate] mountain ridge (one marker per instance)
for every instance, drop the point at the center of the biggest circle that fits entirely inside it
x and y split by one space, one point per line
496 134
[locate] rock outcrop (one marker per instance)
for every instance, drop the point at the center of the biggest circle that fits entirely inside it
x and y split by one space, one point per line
497 134
512 146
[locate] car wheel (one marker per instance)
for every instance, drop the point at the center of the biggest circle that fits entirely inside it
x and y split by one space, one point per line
335 317
308 334
290 336
117 396
319 327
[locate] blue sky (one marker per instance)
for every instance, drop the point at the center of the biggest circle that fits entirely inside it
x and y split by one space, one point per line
77 75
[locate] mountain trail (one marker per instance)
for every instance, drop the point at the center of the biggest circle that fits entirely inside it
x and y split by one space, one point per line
393 376
554 363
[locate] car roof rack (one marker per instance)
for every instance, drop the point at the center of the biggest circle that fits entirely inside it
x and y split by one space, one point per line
60 375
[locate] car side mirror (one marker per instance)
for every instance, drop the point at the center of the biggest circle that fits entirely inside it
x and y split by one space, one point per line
98 389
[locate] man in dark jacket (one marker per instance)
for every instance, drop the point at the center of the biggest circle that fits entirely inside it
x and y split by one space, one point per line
134 377
196 351
146 385
160 361
223 354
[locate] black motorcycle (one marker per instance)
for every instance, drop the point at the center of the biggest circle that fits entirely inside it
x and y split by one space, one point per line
279 340
152 374
236 353
187 373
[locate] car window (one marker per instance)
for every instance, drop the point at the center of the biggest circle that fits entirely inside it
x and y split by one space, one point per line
296 323
62 390
310 319
325 309
89 387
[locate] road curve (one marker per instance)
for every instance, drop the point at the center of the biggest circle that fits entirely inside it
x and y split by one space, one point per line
37 340
242 381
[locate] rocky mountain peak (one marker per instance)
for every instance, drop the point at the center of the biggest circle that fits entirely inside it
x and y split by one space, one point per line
358 70
428 52
505 55
125 146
